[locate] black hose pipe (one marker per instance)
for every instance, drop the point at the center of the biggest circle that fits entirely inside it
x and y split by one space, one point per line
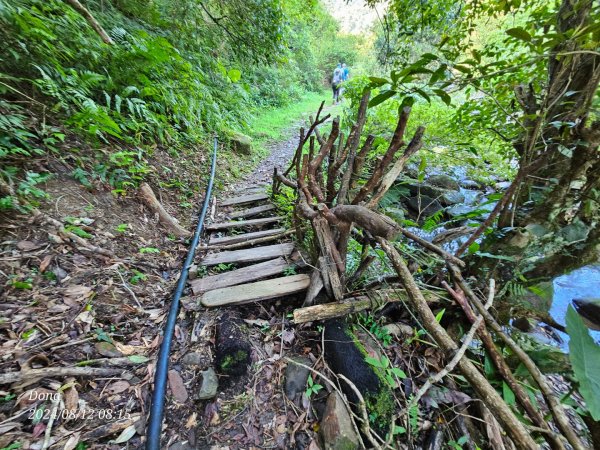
162 364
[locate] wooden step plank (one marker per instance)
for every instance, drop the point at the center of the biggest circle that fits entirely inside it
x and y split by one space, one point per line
243 223
249 254
255 292
239 276
243 199
252 242
251 212
226 240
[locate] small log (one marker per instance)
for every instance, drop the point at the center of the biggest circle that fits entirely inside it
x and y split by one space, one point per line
50 372
356 304
168 221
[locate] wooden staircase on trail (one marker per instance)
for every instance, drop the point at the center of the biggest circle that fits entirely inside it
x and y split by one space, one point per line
250 236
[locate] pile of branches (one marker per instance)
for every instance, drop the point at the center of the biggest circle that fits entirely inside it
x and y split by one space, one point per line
332 195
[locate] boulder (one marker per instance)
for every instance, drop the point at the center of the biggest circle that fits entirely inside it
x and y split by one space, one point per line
459 210
209 385
336 426
452 198
469 184
395 213
444 181
240 143
425 206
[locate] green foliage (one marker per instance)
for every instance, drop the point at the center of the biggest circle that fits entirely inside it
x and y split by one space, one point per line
176 73
144 250
390 374
367 321
312 387
585 359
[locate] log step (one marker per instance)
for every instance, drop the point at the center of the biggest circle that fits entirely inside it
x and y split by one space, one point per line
251 212
214 241
243 199
249 254
243 223
255 292
240 276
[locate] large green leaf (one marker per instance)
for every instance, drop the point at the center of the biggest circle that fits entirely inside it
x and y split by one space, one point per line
585 359
381 98
519 33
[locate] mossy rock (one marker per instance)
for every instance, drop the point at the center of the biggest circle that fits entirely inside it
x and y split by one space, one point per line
240 143
345 355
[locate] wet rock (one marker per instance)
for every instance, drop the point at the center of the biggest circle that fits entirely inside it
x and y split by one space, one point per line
452 198
458 210
444 181
502 185
345 354
296 377
425 206
240 143
209 385
469 184
395 213
336 426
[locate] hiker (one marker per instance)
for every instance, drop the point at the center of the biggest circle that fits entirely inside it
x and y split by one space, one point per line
336 81
346 71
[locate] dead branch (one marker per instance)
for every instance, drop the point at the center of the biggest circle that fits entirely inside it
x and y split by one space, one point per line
90 20
560 416
434 248
395 144
500 363
50 372
359 161
486 392
168 221
390 177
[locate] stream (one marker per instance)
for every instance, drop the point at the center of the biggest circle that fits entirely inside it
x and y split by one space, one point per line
582 283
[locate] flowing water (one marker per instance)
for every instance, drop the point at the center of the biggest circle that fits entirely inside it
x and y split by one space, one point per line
581 283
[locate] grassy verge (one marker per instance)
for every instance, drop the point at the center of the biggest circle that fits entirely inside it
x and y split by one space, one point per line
275 124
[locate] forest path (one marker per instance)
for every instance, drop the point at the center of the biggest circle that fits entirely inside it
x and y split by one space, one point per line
280 152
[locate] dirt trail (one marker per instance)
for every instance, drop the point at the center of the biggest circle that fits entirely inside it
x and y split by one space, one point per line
280 154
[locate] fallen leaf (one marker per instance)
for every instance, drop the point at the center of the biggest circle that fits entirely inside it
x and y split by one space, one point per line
72 441
27 246
125 435
177 387
288 336
45 262
107 349
6 427
78 291
71 398
34 395
118 387
192 422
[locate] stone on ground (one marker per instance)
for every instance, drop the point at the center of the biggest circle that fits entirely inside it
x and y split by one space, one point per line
209 386
336 426
240 143
296 377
